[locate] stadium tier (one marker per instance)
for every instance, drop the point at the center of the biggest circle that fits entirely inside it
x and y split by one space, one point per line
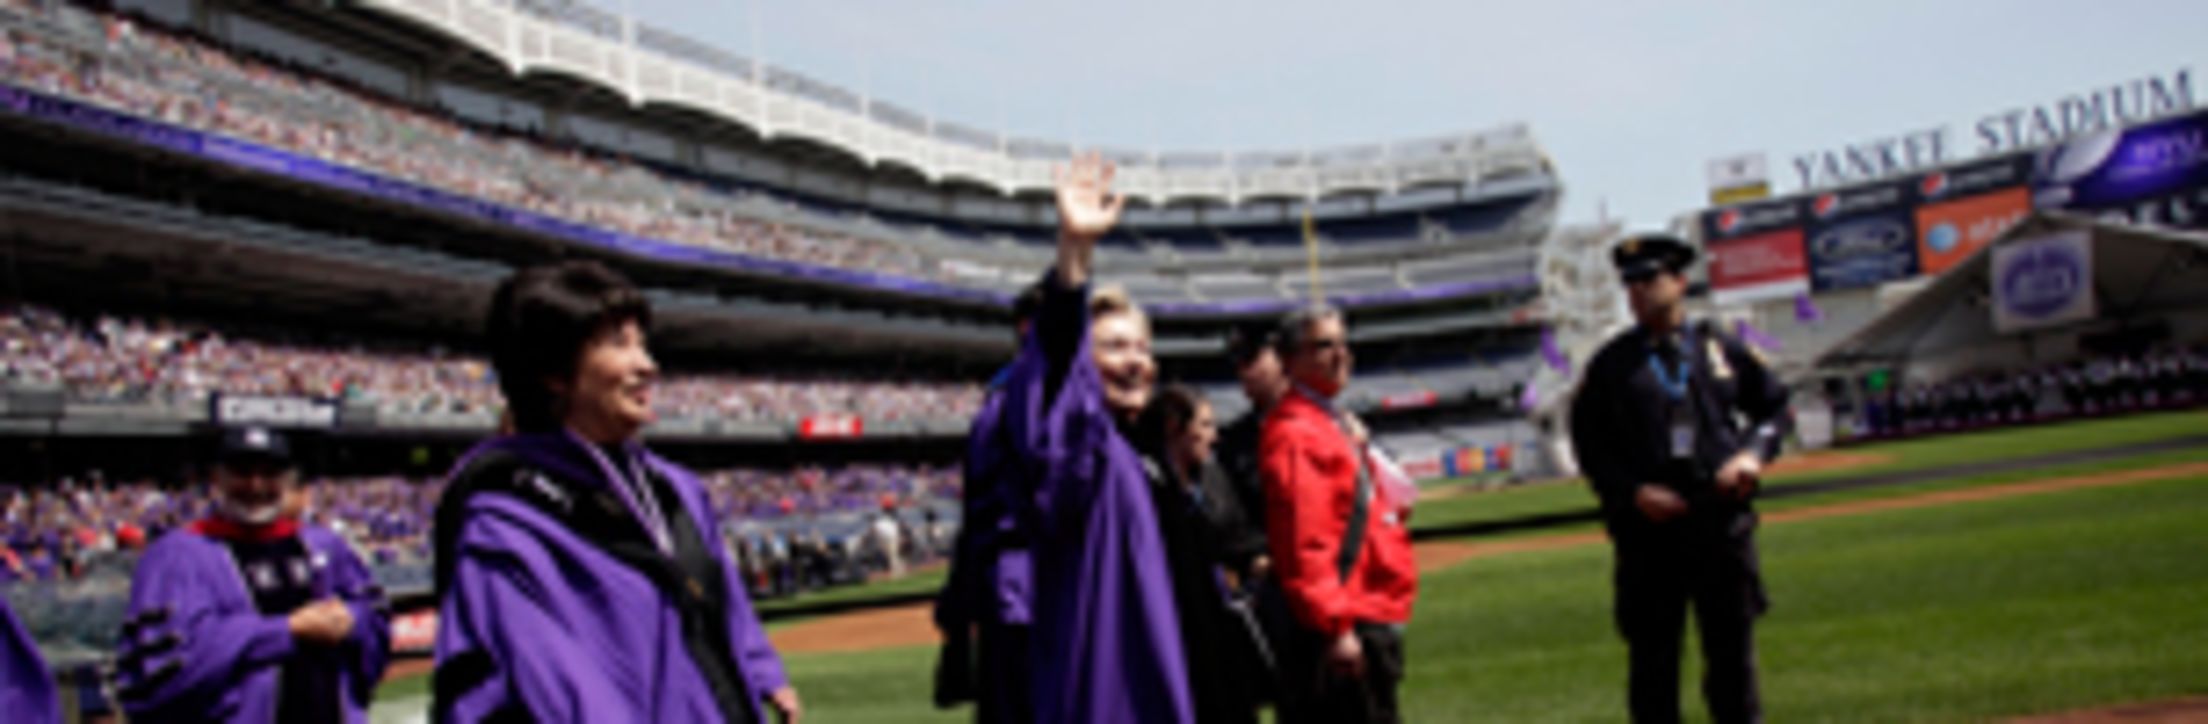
1391 221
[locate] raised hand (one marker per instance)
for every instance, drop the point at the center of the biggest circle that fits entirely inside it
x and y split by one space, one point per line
1087 210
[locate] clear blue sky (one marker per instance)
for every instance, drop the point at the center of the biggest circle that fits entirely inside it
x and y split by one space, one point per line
1630 98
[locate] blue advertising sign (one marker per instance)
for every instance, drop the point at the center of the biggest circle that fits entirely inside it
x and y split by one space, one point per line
2152 174
1861 237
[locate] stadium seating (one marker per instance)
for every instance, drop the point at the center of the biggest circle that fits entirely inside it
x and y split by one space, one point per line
111 61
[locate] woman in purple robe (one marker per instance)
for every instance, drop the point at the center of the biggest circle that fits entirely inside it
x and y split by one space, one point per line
578 574
1106 642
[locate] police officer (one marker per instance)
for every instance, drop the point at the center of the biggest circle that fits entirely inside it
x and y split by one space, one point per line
1676 470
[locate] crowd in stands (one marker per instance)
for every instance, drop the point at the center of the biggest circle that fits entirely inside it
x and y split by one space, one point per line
112 359
2099 385
78 526
111 61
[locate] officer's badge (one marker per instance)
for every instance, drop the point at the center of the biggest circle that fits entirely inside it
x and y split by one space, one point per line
1719 368
1632 246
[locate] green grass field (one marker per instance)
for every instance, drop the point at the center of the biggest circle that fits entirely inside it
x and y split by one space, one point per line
1568 495
1958 613
1962 612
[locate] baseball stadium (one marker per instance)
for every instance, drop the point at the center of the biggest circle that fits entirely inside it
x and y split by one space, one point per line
293 217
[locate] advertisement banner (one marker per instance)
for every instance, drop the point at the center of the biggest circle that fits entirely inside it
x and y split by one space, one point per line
829 427
1861 237
2153 174
1978 177
2042 281
1770 265
415 632
1424 467
1951 231
1750 219
1409 400
229 410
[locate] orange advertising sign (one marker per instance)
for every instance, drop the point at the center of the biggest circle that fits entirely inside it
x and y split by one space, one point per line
1949 232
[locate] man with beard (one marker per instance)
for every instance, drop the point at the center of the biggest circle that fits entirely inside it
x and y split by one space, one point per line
1657 434
250 615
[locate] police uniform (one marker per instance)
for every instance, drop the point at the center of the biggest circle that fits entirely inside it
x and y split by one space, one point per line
1661 410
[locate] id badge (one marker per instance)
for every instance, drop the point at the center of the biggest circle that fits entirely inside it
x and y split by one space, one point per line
1682 440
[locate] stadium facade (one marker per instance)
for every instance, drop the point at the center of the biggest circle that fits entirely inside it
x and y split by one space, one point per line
368 170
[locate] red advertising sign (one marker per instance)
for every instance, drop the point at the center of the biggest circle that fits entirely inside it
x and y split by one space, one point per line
1425 467
1763 266
1949 232
1405 400
818 427
414 632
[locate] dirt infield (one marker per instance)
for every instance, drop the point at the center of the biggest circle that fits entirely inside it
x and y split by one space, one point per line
1811 462
408 667
1822 460
2190 709
910 625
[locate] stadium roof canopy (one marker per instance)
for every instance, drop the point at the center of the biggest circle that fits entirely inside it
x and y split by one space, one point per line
2138 274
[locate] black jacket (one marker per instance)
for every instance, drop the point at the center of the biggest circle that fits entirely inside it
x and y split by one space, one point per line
1621 430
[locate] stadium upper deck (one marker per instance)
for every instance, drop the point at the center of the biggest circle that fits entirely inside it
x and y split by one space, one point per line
804 170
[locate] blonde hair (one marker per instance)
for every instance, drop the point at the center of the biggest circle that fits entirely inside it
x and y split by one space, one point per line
1112 299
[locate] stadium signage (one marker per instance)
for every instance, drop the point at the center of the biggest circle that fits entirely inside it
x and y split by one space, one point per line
1752 268
1950 231
1862 252
1751 218
2095 111
274 411
2043 281
829 427
2152 174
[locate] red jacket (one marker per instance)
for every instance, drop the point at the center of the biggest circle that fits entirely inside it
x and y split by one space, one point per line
1310 485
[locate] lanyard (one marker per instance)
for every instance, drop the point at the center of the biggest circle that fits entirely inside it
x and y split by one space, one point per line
637 489
1674 381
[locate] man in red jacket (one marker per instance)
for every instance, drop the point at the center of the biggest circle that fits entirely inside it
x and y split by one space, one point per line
1340 549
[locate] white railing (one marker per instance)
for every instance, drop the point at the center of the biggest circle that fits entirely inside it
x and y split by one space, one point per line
592 44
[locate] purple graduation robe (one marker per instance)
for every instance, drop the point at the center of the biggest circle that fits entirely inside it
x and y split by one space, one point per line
1107 644
990 581
27 691
990 573
539 619
195 647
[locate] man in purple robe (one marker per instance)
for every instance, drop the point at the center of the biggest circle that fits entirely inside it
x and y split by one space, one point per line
578 578
27 691
250 615
983 609
1106 642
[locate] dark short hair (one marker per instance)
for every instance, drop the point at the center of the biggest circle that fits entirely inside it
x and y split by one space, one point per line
1173 405
541 318
1246 342
1295 327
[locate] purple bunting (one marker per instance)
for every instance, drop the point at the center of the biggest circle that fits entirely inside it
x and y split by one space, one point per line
1553 355
1530 397
1750 334
1805 309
